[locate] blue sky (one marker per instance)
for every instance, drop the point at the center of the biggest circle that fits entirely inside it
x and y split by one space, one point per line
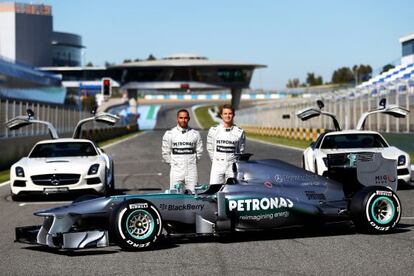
290 37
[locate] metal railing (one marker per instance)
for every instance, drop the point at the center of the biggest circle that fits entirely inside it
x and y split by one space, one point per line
64 119
348 105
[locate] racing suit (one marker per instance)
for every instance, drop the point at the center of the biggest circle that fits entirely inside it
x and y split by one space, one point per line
223 145
182 148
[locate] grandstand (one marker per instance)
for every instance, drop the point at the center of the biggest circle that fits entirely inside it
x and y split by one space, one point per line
23 82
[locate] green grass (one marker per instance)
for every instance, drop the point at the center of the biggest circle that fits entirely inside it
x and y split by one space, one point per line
203 117
279 140
4 175
110 141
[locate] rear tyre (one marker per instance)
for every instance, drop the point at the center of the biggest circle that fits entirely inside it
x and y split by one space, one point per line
136 224
375 210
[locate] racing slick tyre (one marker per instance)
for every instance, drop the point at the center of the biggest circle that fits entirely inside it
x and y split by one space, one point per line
375 209
136 224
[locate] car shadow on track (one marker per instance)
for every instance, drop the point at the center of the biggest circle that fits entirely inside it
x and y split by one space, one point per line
309 231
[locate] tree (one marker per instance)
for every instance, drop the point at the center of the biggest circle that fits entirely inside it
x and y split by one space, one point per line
127 60
293 83
342 75
361 73
151 57
137 59
89 64
387 67
313 80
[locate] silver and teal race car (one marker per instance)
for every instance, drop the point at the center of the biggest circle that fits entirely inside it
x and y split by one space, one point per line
267 194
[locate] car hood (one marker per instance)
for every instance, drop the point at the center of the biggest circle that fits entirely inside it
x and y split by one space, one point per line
388 152
35 166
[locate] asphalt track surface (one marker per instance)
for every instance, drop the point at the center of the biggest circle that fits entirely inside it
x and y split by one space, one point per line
334 249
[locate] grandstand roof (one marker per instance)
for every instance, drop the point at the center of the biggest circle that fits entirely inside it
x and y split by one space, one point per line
186 60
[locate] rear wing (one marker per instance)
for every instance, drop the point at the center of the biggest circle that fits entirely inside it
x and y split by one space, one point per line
393 110
102 117
311 112
21 121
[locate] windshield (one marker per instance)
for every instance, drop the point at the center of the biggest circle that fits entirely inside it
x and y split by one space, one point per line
357 140
64 149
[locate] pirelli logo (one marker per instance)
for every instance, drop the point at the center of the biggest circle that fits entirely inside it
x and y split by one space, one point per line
225 149
183 151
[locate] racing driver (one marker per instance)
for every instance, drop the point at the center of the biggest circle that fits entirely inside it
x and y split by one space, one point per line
224 142
182 147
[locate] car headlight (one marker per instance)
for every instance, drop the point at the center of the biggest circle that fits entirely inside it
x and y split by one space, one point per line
19 172
401 160
93 169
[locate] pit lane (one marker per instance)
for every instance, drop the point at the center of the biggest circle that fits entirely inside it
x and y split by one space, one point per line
138 168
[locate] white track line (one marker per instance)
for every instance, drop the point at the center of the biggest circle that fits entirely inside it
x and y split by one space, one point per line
5 183
124 140
275 145
407 217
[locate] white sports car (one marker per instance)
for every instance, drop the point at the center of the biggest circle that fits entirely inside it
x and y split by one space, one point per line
62 165
315 157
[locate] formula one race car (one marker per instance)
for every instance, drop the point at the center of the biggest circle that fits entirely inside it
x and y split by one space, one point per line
267 194
62 165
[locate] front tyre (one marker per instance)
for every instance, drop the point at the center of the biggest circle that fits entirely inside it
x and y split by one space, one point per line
375 209
136 224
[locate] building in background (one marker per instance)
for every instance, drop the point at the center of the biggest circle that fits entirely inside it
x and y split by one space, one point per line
407 43
27 37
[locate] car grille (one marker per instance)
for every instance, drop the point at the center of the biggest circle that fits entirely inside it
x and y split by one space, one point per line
57 179
403 171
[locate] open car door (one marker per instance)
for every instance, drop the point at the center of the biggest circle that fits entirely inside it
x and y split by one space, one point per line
393 110
311 112
102 117
21 121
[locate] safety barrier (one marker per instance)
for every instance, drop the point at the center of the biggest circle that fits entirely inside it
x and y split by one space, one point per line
302 134
347 105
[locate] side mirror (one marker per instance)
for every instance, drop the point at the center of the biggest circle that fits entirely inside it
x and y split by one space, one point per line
320 104
94 108
30 113
382 103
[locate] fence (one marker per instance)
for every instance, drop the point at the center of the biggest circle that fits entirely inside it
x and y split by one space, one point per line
348 105
64 119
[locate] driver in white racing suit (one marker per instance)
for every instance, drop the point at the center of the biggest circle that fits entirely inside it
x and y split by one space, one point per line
224 142
182 147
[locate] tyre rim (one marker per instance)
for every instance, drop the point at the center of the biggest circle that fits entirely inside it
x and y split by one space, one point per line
382 210
140 224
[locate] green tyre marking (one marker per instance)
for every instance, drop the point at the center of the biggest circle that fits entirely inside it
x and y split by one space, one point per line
144 222
375 213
